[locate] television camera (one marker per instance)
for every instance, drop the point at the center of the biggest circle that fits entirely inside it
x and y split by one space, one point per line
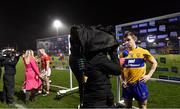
8 53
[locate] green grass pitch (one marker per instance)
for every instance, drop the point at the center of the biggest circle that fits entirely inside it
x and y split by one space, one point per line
162 95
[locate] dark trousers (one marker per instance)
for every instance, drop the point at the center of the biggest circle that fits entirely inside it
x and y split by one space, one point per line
8 88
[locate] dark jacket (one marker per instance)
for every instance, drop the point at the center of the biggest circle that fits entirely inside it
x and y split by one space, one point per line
9 64
94 45
98 85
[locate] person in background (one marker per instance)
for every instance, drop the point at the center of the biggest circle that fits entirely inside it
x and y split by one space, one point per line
134 73
9 61
32 80
45 69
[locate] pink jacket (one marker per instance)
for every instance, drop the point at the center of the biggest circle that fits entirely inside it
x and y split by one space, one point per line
32 81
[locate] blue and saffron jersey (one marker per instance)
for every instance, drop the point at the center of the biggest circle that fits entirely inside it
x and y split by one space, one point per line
134 67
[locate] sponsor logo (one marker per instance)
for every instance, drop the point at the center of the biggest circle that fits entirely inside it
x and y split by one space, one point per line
131 61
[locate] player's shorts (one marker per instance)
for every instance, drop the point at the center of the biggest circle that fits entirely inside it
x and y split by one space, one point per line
46 73
137 90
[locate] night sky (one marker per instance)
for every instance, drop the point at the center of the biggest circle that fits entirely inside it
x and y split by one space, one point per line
24 21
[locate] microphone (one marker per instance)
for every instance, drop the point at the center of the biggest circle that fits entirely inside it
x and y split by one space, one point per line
125 53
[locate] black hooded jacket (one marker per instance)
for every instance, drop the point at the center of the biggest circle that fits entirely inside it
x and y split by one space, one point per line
97 47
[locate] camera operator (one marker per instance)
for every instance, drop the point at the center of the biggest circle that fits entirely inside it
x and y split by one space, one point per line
92 61
9 61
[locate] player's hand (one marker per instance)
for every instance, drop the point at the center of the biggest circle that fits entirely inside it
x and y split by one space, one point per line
122 60
124 84
145 78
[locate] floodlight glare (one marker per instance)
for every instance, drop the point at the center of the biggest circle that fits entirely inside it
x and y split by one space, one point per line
57 24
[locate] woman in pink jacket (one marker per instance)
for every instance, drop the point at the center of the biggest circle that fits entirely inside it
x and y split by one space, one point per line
32 81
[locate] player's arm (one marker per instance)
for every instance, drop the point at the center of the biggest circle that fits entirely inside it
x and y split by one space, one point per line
153 66
47 65
153 63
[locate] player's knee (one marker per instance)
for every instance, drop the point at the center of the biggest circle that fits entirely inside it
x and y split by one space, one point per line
142 105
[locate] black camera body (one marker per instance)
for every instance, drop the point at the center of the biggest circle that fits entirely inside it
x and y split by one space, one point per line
8 53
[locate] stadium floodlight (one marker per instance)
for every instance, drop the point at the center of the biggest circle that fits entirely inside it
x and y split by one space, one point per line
57 24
